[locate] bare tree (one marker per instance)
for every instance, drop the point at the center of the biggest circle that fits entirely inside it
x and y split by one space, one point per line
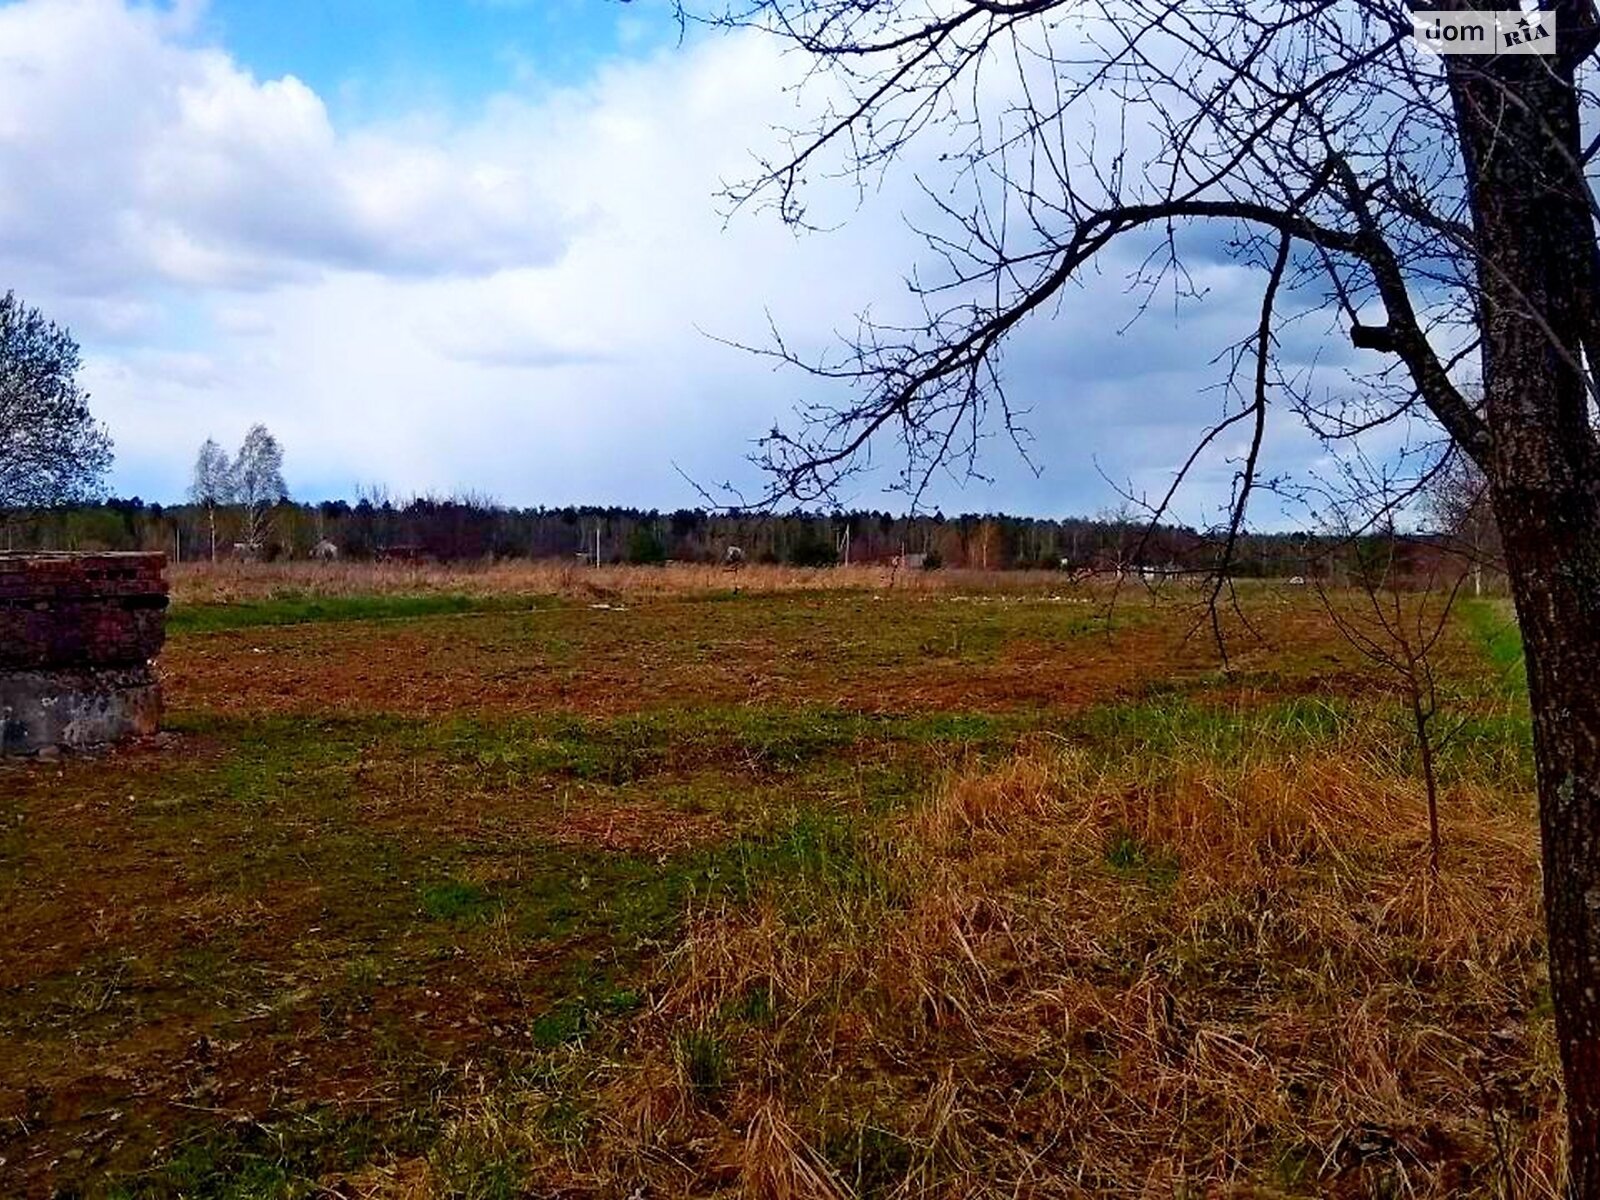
1458 497
1124 526
1397 628
1437 208
212 484
52 451
256 484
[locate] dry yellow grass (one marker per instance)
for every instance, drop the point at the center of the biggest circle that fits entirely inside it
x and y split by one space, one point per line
1186 976
205 583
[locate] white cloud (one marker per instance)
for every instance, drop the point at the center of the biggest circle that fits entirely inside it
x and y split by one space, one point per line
514 304
242 320
132 156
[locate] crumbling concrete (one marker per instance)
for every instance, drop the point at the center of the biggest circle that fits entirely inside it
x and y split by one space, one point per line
79 634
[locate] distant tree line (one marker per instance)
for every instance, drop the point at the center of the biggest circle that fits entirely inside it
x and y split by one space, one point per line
463 528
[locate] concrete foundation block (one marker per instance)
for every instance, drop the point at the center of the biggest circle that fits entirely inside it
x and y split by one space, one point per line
75 708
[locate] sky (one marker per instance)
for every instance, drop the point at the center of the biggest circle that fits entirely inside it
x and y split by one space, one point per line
442 246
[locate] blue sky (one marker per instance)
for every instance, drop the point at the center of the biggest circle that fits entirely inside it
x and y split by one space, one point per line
447 245
370 58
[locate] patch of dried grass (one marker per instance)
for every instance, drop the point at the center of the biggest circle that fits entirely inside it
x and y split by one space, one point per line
1164 977
232 583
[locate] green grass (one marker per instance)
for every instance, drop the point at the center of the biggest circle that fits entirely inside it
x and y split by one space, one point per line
458 901
294 609
742 740
270 1160
813 857
1494 622
1175 725
704 1060
1131 858
1133 737
871 1157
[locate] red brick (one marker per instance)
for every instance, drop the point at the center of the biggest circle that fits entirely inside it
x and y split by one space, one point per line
81 610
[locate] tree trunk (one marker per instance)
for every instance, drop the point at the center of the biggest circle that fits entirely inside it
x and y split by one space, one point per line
1555 575
1518 119
1420 715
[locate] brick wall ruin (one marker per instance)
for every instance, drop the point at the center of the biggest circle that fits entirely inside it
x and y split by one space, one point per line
78 636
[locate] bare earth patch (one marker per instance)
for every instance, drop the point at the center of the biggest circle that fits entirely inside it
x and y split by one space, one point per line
636 829
874 654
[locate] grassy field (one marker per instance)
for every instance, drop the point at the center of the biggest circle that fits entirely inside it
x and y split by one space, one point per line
246 583
787 884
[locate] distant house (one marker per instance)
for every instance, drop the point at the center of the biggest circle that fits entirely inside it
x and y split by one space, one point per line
325 551
911 562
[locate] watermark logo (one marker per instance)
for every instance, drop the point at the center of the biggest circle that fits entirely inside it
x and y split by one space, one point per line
1504 32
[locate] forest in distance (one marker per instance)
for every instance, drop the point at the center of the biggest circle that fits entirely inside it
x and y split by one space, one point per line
460 529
